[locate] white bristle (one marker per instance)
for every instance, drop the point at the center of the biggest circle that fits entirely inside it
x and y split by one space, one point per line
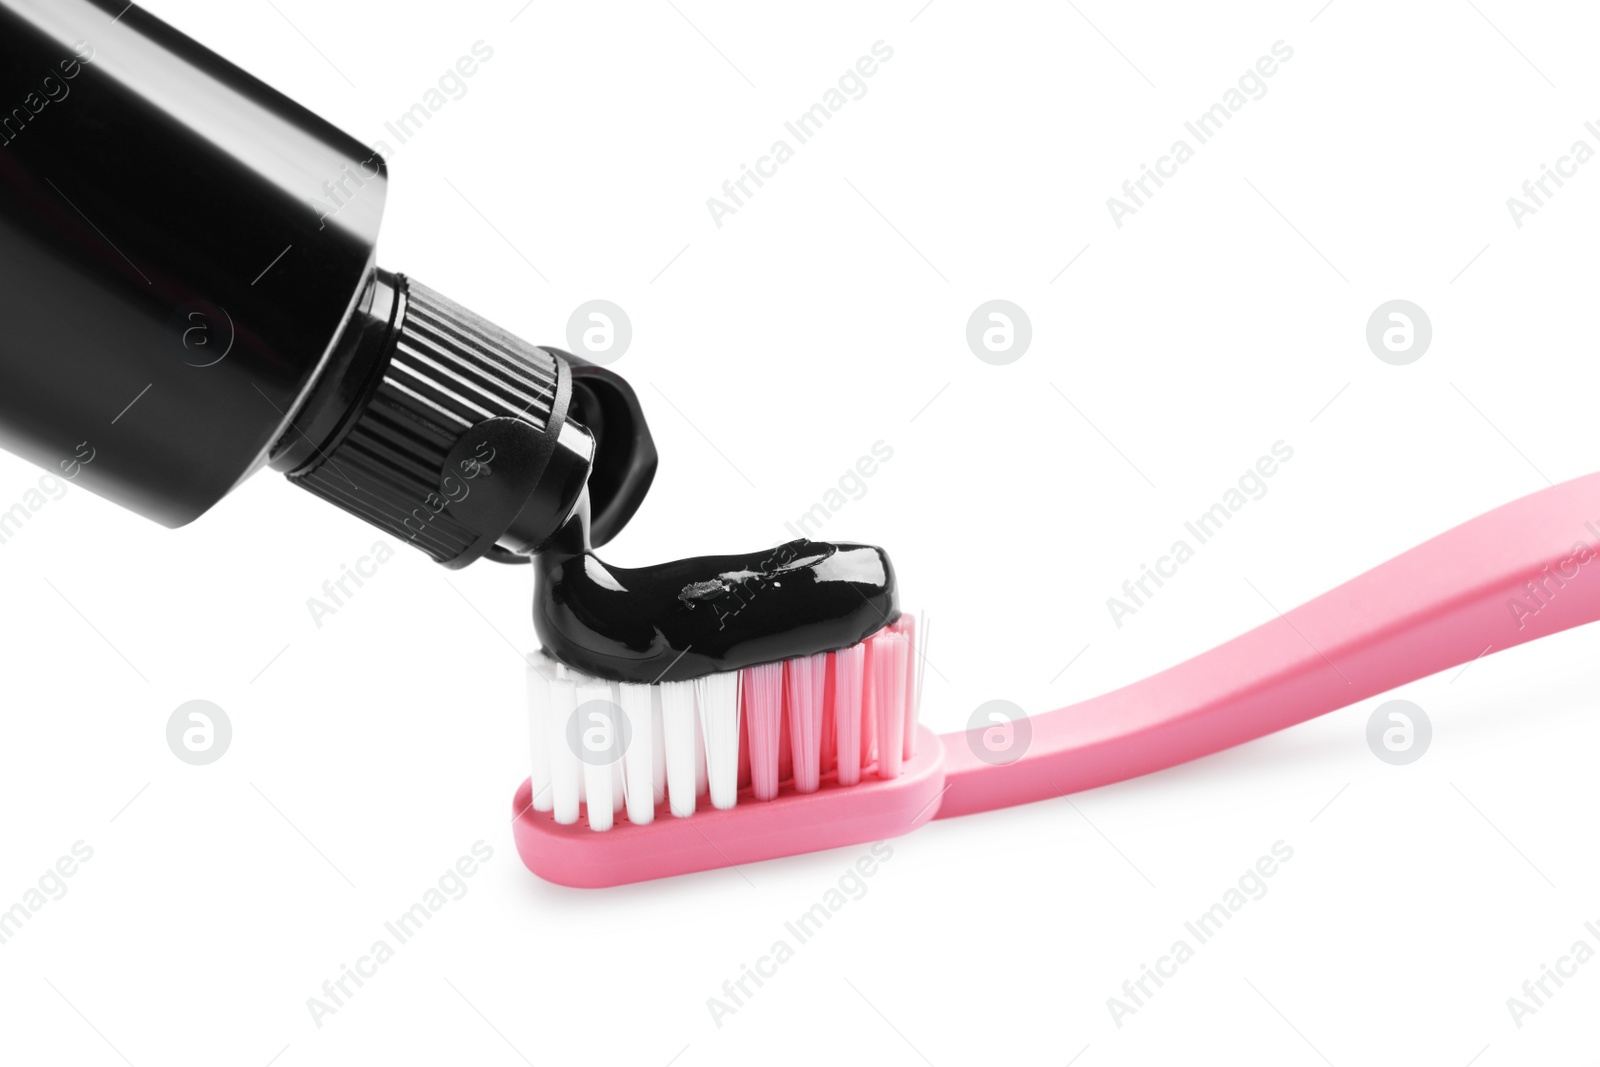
619 791
566 674
564 773
847 680
638 759
718 697
805 698
658 761
763 711
540 672
889 680
700 780
598 739
680 729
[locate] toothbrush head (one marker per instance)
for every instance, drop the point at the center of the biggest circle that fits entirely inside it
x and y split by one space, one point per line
792 823
637 781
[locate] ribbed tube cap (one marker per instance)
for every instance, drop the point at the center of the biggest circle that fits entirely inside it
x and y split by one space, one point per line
408 463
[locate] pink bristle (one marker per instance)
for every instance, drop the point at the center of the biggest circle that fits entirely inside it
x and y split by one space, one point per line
869 703
906 627
763 711
889 683
785 757
848 682
803 684
830 754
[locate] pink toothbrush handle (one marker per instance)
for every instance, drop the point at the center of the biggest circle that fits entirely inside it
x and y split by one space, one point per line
1520 572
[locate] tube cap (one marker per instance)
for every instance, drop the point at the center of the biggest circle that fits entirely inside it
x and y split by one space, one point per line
465 440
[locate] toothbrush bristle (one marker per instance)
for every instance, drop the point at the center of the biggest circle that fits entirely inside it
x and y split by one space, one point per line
565 780
739 737
718 698
847 680
889 680
701 782
906 626
597 739
763 710
803 680
638 710
682 731
830 740
658 764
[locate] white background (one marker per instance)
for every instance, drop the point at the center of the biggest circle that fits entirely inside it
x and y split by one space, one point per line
827 314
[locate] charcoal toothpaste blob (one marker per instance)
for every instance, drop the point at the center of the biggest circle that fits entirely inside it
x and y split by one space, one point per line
190 293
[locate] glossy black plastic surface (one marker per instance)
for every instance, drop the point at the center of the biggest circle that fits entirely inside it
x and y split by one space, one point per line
694 617
180 245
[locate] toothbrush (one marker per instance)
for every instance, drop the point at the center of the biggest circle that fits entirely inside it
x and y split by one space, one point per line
1522 571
